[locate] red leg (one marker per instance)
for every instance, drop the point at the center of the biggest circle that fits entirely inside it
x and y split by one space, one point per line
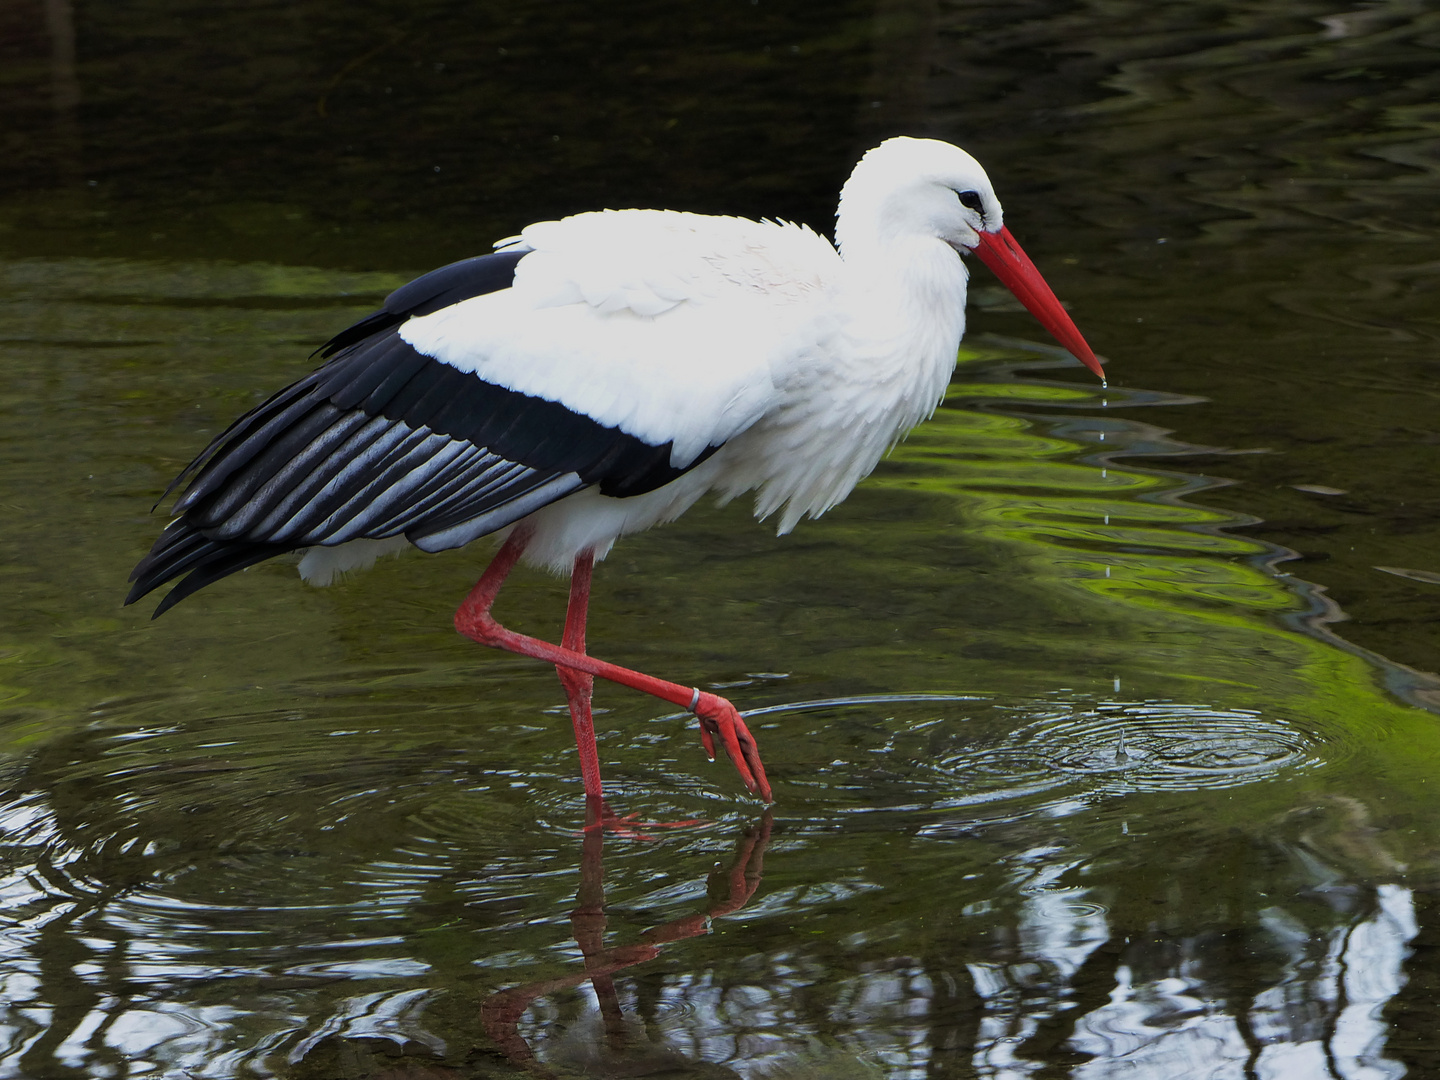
717 716
579 686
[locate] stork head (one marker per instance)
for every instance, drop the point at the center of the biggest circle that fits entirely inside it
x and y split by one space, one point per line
914 188
918 187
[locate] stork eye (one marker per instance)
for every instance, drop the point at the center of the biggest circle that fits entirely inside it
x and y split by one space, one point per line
971 199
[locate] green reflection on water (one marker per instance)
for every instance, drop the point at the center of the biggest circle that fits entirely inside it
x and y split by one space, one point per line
1144 584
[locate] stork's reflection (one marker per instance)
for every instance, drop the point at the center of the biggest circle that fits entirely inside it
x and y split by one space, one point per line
729 888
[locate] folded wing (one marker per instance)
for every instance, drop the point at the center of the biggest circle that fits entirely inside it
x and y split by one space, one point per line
489 388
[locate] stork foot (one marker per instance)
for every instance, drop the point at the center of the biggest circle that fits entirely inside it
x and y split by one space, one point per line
718 717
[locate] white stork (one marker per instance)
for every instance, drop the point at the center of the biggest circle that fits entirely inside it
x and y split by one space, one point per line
596 376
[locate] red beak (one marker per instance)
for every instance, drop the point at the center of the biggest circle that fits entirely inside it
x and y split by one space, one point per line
1000 252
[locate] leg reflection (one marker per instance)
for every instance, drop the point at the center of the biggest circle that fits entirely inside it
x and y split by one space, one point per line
730 891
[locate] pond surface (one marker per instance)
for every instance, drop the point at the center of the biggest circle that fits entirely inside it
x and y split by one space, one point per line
1102 723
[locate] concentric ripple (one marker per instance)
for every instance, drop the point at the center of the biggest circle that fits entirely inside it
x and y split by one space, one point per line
1152 747
927 750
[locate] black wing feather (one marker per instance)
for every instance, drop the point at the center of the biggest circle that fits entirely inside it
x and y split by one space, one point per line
221 561
383 440
429 293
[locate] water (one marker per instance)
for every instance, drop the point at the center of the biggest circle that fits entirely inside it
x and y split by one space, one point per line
1079 769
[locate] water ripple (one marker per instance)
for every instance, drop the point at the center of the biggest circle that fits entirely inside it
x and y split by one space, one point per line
910 751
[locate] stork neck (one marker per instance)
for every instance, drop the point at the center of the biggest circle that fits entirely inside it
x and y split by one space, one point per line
908 293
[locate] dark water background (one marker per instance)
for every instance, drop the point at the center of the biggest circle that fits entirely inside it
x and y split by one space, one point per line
1102 725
